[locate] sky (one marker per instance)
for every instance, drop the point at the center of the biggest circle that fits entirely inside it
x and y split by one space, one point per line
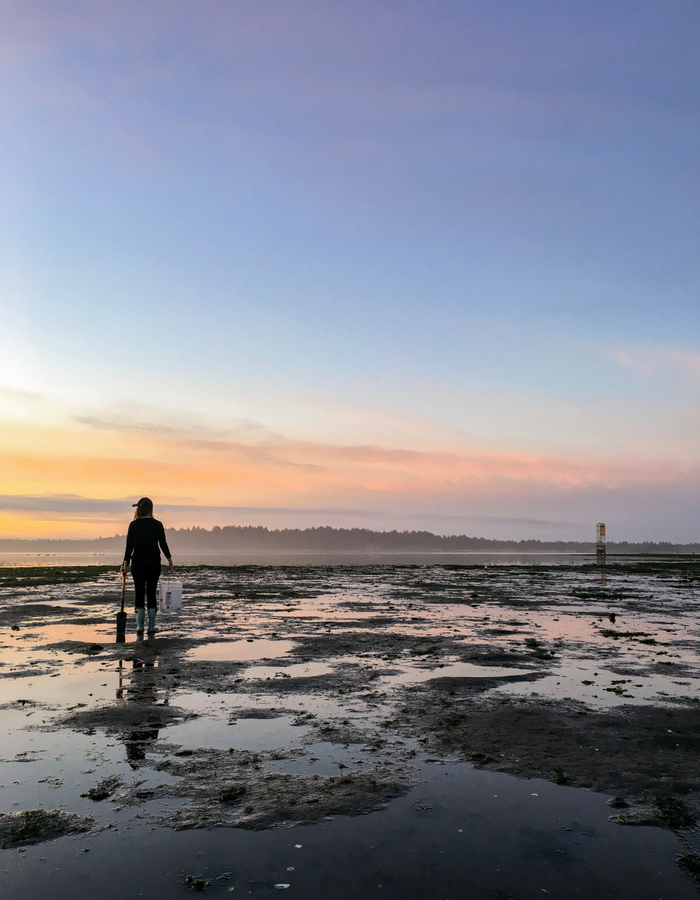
387 264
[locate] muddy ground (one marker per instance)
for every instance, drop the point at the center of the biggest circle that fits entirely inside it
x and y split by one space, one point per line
293 694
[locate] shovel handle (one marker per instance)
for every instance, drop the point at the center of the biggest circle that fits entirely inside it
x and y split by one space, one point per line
123 585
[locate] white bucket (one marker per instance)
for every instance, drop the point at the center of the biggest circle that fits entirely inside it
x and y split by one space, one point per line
169 595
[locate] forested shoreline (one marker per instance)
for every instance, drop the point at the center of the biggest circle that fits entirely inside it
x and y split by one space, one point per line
249 537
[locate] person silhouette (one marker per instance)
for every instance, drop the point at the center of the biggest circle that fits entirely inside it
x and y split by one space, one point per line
144 541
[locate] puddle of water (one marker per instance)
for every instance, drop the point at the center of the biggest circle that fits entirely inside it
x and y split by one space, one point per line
243 734
21 657
298 670
100 633
196 701
321 758
318 704
49 770
599 687
91 683
415 675
240 651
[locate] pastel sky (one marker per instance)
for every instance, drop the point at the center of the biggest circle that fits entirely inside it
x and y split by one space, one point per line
393 264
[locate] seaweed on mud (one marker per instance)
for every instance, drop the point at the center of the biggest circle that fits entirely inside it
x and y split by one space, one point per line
233 793
21 704
492 657
40 576
355 642
616 635
103 789
674 813
34 610
34 825
690 863
342 733
269 712
196 883
587 593
282 797
215 783
539 650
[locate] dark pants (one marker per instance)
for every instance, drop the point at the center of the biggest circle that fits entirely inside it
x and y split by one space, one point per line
146 577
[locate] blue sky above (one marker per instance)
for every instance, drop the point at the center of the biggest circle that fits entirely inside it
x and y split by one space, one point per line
454 227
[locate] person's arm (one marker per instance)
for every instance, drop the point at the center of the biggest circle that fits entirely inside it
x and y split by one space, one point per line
164 547
129 547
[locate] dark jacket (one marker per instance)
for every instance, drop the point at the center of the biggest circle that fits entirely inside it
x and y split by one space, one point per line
143 540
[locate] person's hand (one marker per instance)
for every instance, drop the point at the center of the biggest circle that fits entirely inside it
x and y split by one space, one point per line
171 567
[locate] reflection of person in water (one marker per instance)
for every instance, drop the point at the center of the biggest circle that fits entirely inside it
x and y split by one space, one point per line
137 742
142 691
144 541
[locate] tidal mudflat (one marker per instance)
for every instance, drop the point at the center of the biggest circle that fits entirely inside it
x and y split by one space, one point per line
433 731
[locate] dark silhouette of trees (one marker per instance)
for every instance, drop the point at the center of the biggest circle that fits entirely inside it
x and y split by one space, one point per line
337 540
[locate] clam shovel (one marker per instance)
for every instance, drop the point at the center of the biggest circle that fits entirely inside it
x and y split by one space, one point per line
121 616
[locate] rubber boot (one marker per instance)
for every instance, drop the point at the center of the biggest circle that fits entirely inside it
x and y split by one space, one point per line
151 621
140 615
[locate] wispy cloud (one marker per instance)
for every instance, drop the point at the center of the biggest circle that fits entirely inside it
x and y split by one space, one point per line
245 440
372 468
649 361
247 450
70 503
76 504
19 395
151 421
122 459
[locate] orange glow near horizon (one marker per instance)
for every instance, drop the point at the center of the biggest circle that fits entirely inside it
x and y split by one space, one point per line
20 524
110 465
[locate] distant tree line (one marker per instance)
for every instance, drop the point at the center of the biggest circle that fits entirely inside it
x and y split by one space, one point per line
338 540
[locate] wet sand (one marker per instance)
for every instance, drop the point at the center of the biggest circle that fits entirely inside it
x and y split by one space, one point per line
442 731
